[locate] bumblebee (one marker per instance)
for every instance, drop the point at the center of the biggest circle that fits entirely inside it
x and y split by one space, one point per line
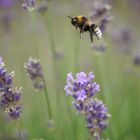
84 24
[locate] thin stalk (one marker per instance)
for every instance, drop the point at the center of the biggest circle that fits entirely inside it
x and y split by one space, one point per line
37 55
56 75
47 100
54 59
94 136
19 130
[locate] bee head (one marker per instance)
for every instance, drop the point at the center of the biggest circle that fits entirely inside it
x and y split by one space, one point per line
73 21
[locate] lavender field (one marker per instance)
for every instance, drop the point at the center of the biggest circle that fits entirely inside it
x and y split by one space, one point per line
56 85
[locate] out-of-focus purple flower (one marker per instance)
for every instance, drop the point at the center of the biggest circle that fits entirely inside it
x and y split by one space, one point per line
82 87
124 39
101 14
104 21
6 19
6 3
34 70
1 62
99 48
99 10
42 7
14 111
136 59
96 115
122 35
9 98
28 5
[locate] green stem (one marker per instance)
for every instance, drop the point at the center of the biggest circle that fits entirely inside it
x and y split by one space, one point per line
54 60
94 136
37 54
19 130
97 137
47 100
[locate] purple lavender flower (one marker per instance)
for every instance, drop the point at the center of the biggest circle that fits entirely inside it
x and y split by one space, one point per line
6 19
94 111
96 115
34 70
78 106
136 59
104 21
5 78
6 3
9 98
82 87
42 7
101 14
99 47
100 9
122 35
14 111
28 5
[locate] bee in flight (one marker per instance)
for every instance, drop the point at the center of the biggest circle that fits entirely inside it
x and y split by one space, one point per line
84 24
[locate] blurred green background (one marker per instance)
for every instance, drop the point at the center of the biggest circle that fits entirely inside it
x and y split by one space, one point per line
60 49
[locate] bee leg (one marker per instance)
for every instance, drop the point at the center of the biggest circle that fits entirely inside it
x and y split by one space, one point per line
81 32
91 35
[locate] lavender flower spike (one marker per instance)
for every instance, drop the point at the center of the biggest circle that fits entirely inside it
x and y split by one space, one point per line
34 70
5 78
28 5
14 111
9 97
82 87
6 3
96 115
101 13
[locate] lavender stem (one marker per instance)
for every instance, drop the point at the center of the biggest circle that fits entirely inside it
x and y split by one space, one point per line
19 130
37 54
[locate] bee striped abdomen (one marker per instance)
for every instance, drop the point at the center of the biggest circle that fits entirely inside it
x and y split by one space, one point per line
97 32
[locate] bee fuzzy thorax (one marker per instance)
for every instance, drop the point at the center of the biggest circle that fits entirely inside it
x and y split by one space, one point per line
80 18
